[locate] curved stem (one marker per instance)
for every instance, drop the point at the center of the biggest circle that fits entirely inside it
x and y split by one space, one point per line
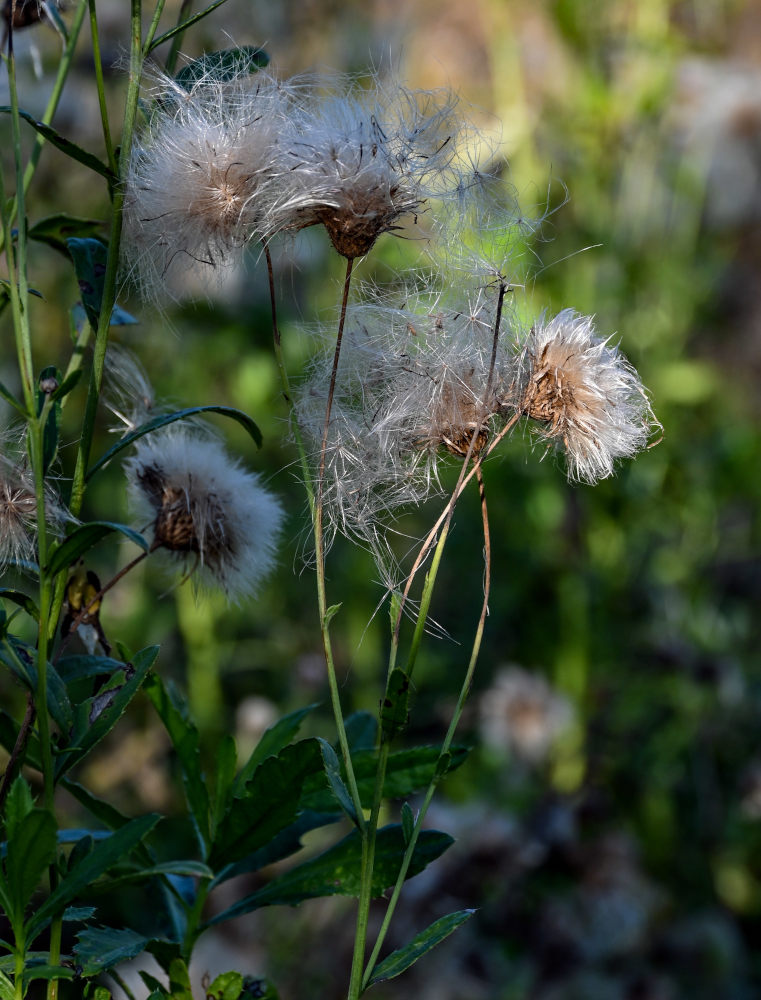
440 766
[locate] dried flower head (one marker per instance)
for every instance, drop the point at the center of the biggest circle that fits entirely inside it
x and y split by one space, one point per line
18 511
204 509
584 395
362 158
411 390
521 714
202 180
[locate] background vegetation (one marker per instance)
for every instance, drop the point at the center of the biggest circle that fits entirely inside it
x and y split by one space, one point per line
627 863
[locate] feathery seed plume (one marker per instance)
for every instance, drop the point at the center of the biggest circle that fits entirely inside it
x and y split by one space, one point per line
584 395
204 510
18 512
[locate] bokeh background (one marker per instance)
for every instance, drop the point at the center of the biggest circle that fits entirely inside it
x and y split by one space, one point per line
608 821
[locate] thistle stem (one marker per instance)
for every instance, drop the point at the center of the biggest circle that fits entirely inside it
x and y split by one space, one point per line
440 769
101 90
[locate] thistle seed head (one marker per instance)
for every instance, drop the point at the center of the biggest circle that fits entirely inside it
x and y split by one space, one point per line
18 511
584 395
204 510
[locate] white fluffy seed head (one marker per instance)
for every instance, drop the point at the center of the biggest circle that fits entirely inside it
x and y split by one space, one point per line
363 158
18 510
203 180
584 396
127 392
204 510
411 391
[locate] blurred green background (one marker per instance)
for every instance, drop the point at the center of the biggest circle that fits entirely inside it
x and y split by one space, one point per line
617 855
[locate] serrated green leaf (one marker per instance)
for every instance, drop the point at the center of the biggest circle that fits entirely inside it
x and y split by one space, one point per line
395 707
222 66
169 418
84 538
31 849
77 914
335 781
282 845
186 742
180 28
101 948
102 857
267 804
55 230
408 823
361 731
337 871
65 145
403 958
277 736
87 732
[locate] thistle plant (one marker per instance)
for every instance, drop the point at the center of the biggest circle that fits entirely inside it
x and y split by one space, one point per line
217 156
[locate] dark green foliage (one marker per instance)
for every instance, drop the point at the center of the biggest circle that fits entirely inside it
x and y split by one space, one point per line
398 961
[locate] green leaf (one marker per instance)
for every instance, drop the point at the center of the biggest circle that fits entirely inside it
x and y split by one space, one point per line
88 732
267 804
55 230
53 420
103 856
101 948
23 601
395 707
100 809
331 613
77 914
337 786
18 805
407 771
178 29
32 972
222 66
186 742
84 538
278 735
67 385
337 871
169 418
361 731
81 666
65 145
90 259
398 961
31 849
6 988
226 986
10 398
408 823
226 762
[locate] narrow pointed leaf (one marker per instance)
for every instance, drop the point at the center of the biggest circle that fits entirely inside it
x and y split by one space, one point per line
23 601
83 538
65 145
88 732
169 418
180 28
335 781
337 871
398 961
408 823
55 230
395 707
102 857
7 991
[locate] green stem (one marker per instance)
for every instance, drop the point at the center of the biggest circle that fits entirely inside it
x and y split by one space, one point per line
174 48
440 769
55 96
194 918
112 261
101 89
319 542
